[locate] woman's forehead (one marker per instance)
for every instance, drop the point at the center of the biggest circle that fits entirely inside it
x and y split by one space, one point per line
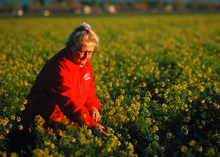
88 45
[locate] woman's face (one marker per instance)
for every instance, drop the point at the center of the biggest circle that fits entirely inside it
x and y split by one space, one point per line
82 54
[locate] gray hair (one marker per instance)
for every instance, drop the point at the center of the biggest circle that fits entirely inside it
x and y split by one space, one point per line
82 35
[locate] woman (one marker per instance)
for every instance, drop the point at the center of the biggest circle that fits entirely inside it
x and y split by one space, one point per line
65 86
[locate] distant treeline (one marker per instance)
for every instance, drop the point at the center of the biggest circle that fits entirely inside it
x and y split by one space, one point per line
85 7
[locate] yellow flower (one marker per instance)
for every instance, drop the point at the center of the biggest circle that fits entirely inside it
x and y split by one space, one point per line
10 126
169 135
130 146
189 92
18 119
147 99
12 117
22 108
20 127
192 143
156 90
200 127
148 120
38 152
109 149
74 140
5 122
211 151
52 145
200 149
190 99
3 154
47 143
144 84
4 109
2 137
100 143
202 88
60 132
187 119
156 137
117 84
184 130
155 128
13 154
25 101
89 132
183 148
7 131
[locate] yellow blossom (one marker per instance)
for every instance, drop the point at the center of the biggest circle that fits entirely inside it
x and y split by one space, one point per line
20 127
47 143
200 149
211 151
192 143
12 117
2 137
156 90
202 88
169 135
155 128
156 137
22 108
184 130
13 154
7 131
52 145
18 119
183 149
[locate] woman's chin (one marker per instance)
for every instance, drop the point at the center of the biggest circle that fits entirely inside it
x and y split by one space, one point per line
82 62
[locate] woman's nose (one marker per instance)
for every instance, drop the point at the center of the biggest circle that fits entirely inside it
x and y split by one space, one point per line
86 55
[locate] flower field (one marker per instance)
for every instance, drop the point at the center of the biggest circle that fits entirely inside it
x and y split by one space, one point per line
157 78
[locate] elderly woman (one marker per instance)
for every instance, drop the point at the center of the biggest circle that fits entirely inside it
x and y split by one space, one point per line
65 85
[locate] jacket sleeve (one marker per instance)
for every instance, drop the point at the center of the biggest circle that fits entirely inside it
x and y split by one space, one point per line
59 83
92 100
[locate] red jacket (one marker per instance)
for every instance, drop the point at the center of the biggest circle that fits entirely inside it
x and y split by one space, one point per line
62 88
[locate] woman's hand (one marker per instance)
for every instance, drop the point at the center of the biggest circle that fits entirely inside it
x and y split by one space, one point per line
95 114
100 128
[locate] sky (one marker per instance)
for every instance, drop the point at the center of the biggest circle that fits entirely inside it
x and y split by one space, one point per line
23 2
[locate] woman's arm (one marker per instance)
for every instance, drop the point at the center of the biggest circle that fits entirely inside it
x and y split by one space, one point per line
60 85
